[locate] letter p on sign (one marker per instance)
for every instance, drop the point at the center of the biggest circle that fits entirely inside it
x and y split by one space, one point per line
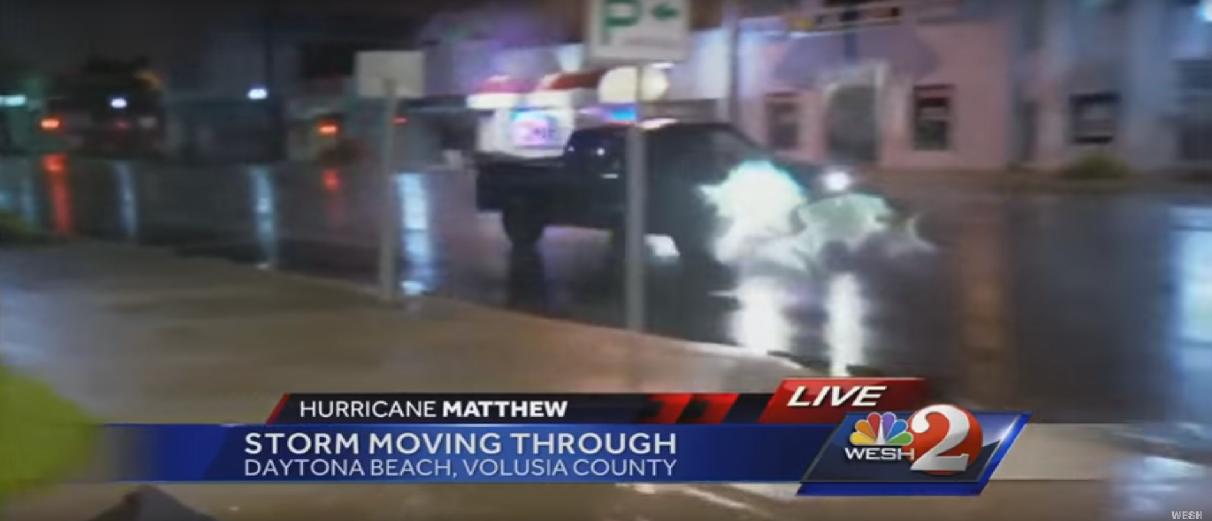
635 32
618 14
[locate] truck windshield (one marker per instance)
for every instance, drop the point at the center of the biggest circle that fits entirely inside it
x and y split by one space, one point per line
733 147
709 153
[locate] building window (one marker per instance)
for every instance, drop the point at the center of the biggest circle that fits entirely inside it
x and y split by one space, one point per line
1195 120
1094 118
330 59
1034 21
932 117
783 121
1195 76
839 4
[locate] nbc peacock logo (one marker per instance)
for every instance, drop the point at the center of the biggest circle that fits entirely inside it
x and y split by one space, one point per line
881 430
880 437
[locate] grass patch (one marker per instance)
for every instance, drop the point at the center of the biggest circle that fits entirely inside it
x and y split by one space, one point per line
14 230
1197 176
1099 166
44 437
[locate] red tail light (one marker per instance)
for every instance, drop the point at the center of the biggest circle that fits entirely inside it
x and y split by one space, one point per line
332 180
54 163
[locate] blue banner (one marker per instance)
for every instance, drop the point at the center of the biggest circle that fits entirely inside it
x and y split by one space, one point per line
469 453
937 450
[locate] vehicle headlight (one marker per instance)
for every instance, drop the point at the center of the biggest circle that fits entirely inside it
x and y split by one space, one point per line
755 191
757 199
837 181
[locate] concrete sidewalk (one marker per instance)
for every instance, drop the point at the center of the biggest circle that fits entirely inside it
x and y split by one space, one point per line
140 335
1040 182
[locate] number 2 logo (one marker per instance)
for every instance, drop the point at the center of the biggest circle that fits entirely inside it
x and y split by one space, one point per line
946 440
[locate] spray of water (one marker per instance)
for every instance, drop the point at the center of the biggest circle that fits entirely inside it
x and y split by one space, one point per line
754 205
766 215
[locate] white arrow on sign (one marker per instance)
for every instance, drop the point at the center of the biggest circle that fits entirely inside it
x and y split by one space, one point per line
638 31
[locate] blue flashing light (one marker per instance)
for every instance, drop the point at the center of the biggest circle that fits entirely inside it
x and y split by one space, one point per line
16 100
621 114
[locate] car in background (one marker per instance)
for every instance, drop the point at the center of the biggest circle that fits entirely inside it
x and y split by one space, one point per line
707 184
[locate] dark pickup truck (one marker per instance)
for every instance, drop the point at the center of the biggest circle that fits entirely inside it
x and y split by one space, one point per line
585 187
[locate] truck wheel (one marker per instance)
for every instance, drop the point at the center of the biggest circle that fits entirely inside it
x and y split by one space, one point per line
523 227
694 251
838 257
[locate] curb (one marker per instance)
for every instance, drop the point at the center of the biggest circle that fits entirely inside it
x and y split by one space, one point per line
1184 442
149 503
1046 186
684 346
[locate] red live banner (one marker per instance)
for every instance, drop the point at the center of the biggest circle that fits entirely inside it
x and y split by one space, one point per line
827 400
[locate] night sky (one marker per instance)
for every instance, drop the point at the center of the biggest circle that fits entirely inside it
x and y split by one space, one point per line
57 35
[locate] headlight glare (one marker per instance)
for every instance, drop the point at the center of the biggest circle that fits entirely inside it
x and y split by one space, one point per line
837 181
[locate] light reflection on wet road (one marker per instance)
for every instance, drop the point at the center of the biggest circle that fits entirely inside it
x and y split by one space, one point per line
1079 307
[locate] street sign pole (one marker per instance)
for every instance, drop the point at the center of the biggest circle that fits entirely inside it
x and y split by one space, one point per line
636 222
636 33
732 22
389 76
389 214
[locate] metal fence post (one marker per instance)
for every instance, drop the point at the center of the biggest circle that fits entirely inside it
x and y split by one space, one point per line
637 188
389 215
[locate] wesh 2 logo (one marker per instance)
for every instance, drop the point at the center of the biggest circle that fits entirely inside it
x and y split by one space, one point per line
936 440
928 450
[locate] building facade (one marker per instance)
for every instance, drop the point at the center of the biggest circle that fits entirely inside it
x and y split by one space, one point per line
920 85
1128 77
239 78
968 85
279 84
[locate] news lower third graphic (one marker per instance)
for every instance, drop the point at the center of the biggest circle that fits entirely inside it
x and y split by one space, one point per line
834 436
936 450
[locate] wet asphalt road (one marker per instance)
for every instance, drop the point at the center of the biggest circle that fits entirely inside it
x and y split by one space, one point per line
1080 307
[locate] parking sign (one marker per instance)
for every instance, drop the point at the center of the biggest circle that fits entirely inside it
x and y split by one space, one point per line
638 31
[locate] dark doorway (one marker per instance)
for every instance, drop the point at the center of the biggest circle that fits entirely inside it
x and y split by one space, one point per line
1026 123
852 134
